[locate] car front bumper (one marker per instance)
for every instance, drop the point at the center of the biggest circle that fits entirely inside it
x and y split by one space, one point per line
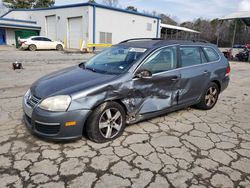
52 125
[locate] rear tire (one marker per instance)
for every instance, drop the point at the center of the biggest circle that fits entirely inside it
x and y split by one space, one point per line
59 47
106 123
32 47
209 98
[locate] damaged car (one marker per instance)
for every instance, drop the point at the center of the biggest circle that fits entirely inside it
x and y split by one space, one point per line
135 80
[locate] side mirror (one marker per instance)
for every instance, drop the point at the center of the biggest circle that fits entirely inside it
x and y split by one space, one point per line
82 64
143 74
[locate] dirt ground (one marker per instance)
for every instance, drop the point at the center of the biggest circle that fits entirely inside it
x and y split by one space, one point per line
188 148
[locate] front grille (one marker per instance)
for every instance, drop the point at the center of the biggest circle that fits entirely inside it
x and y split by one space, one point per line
47 129
32 101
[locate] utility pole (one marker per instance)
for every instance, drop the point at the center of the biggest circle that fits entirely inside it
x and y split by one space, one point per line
234 34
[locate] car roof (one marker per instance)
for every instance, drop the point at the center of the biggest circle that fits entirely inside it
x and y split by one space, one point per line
38 36
157 43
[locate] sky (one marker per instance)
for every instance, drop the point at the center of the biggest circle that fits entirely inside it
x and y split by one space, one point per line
182 10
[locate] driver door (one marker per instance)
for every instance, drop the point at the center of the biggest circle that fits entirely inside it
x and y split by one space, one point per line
48 44
160 91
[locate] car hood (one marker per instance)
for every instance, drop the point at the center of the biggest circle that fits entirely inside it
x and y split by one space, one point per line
68 81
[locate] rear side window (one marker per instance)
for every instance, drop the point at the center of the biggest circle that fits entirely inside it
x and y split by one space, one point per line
37 39
191 56
211 54
203 57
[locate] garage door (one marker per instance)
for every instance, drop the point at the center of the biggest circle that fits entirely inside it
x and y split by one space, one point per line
75 32
2 36
51 27
22 34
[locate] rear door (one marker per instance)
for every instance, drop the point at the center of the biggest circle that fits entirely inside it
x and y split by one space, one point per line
194 72
158 92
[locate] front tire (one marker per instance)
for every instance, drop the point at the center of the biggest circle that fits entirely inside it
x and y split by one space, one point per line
59 47
209 98
106 123
32 47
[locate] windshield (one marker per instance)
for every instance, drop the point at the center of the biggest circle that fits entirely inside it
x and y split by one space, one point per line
114 60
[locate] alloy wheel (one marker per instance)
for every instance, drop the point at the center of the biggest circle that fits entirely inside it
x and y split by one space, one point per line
211 96
59 47
110 123
32 47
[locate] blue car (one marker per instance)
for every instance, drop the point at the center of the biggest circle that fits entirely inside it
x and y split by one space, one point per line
132 81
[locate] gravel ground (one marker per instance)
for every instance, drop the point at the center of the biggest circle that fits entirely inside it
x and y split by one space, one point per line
188 148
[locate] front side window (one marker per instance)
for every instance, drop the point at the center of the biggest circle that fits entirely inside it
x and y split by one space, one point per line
161 61
190 56
211 54
114 60
46 39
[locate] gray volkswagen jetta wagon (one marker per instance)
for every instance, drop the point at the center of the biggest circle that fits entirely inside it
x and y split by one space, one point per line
132 81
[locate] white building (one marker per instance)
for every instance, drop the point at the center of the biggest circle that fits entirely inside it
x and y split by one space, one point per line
79 23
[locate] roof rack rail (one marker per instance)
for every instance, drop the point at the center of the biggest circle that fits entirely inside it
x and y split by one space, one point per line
134 39
200 40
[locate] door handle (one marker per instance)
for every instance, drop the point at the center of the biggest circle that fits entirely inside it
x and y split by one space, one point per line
175 78
206 72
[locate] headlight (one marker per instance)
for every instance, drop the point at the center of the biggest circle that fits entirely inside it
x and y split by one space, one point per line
58 103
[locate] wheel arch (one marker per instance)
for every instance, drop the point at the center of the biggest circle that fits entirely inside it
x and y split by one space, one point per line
33 45
122 104
119 101
217 82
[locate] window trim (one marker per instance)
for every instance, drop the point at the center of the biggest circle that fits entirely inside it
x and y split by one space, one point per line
156 50
178 58
36 39
47 39
207 55
194 46
202 51
205 46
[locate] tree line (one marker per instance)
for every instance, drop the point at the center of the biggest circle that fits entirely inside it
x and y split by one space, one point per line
221 32
27 4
